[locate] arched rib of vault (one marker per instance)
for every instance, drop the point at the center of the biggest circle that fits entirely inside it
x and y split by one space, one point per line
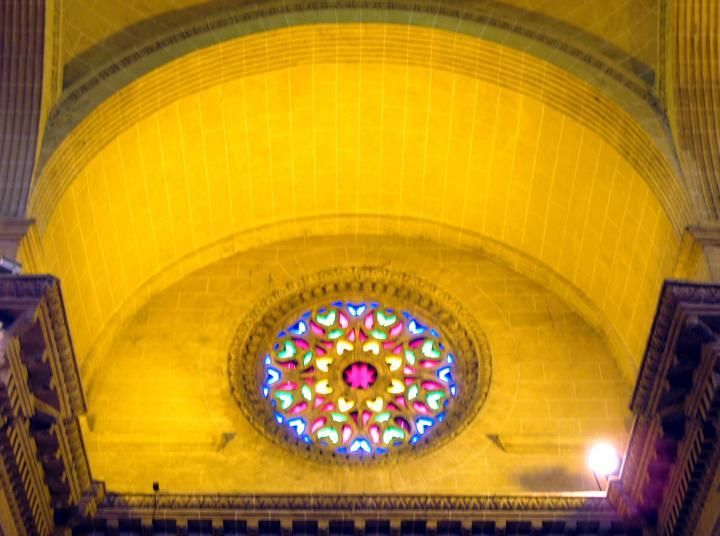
358 44
327 139
349 229
616 37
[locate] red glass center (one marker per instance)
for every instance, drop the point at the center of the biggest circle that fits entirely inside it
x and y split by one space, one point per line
360 375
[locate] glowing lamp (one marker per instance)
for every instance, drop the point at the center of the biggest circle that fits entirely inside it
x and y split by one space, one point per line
603 459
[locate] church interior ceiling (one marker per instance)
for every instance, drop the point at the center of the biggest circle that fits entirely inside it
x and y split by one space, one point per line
231 138
359 247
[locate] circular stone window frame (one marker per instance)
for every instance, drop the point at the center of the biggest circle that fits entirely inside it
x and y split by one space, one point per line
257 331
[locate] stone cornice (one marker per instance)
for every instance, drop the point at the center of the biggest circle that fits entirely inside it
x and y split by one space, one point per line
679 303
64 347
674 448
39 290
45 467
438 505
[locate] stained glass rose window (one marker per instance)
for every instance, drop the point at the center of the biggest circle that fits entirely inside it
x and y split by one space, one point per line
359 378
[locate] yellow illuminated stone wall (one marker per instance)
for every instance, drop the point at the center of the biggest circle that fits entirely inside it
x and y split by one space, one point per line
160 408
373 140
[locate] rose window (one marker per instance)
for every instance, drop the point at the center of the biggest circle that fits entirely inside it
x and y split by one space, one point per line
358 378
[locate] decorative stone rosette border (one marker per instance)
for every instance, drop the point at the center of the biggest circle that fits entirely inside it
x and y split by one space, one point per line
257 333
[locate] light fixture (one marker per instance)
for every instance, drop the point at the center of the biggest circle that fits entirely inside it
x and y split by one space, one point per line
603 459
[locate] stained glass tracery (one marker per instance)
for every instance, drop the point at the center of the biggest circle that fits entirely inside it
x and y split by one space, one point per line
357 378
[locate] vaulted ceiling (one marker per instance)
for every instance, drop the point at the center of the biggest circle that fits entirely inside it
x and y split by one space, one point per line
256 141
571 143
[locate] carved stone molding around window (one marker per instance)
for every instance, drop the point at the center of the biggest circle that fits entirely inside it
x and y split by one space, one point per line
258 331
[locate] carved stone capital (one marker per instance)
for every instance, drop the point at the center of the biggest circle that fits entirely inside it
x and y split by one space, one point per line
12 231
699 257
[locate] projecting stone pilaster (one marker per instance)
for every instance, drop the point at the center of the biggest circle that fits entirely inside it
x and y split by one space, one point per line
22 31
